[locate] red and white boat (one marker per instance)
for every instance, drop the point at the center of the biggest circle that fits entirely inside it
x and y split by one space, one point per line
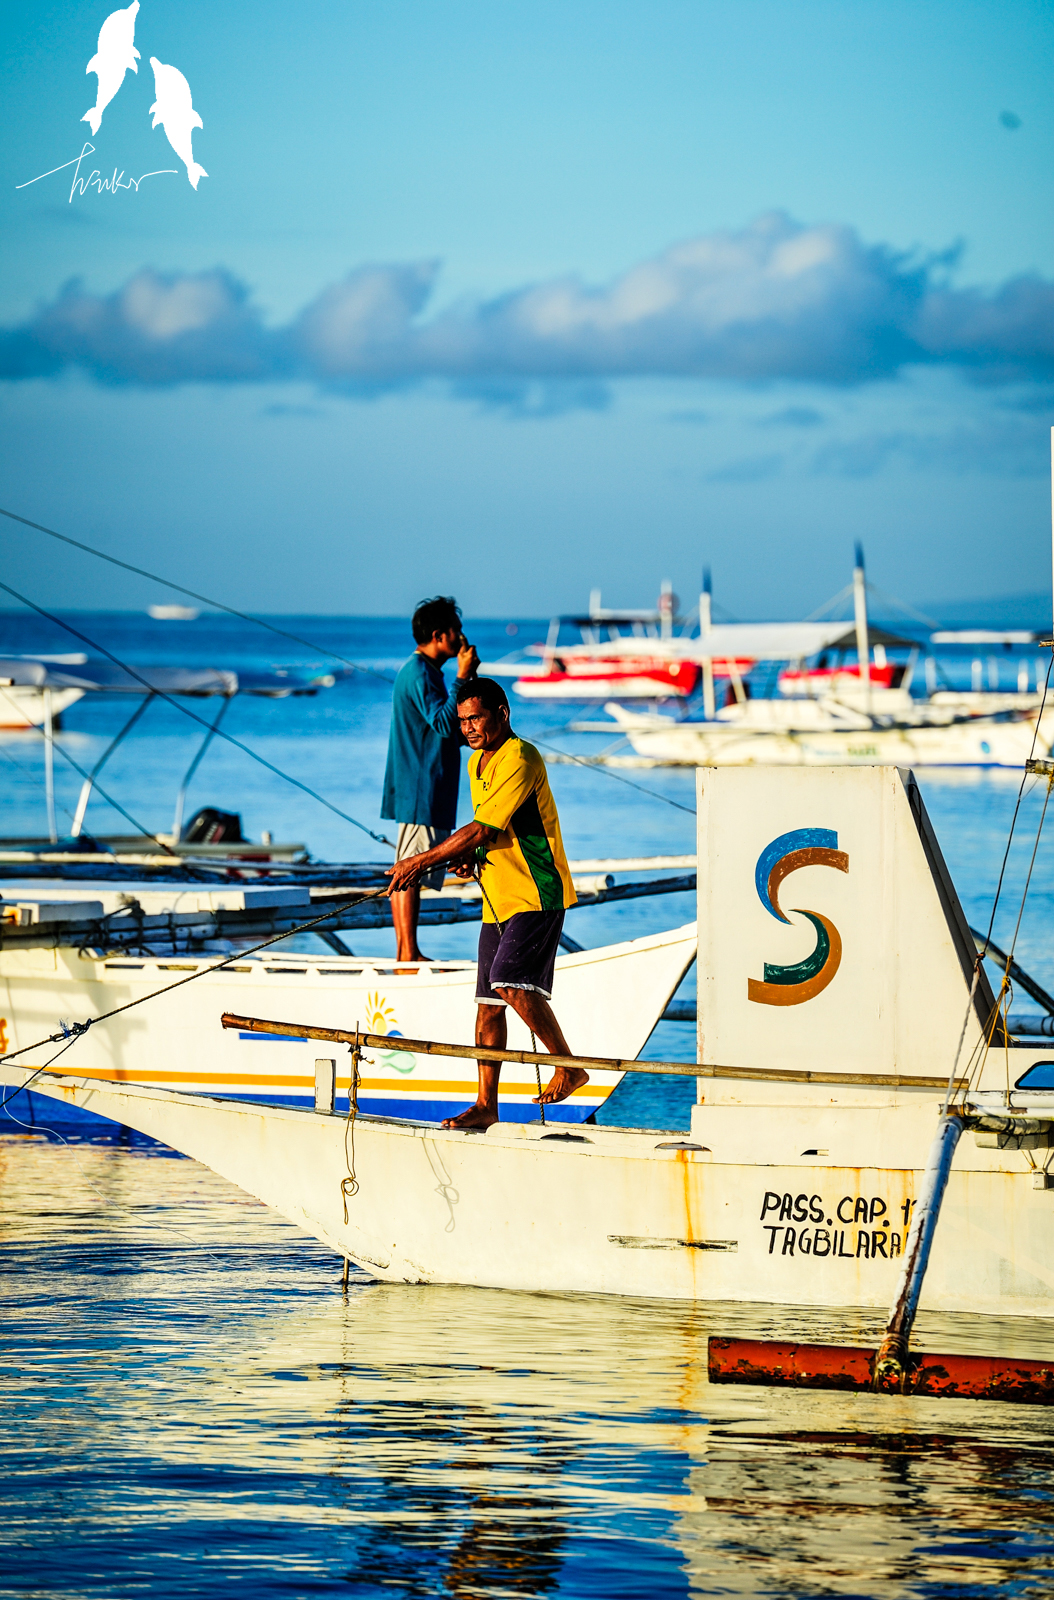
824 680
590 677
619 655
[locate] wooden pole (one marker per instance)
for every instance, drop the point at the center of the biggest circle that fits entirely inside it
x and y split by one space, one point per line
476 1052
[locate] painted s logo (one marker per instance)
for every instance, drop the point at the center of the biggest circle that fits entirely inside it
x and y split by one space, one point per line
805 847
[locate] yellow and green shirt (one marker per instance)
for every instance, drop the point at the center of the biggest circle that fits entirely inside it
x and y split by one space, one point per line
525 868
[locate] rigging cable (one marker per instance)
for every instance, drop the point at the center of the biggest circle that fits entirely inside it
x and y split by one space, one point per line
981 1049
582 761
76 1030
282 633
202 722
127 815
217 605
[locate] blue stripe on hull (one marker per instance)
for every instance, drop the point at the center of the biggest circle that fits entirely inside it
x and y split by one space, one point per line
38 1113
30 1110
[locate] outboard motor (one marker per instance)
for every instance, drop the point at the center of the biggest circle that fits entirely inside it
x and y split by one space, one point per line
210 826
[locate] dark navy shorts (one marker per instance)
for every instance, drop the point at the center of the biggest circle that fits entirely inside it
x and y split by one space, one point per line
522 957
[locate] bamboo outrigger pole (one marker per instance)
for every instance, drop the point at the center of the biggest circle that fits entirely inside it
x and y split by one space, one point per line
478 1052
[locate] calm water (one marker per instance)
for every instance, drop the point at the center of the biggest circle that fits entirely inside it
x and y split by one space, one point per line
191 1405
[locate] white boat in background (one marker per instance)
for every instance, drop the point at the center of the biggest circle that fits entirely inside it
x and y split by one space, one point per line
173 613
26 698
831 733
47 684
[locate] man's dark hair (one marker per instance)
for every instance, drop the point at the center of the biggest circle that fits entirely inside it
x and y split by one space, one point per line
490 695
437 615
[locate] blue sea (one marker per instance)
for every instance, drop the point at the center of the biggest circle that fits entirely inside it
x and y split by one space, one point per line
192 1405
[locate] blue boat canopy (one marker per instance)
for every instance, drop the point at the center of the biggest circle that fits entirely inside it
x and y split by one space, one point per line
103 677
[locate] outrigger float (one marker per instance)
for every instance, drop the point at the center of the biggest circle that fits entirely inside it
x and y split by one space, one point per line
843 1015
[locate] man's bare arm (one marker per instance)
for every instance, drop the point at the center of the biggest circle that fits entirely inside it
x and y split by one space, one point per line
458 847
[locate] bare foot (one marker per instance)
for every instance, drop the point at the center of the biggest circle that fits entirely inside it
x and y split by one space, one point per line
475 1117
564 1081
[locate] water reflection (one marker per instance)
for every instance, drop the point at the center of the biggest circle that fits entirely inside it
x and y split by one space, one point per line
191 1402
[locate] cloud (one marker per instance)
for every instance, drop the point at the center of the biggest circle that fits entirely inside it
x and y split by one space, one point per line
751 469
775 301
156 330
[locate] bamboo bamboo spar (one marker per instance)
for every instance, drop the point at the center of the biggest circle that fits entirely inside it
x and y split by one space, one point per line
478 1052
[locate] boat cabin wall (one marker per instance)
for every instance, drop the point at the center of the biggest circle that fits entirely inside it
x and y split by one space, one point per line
830 935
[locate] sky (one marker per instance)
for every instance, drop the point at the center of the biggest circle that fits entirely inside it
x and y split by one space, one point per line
521 301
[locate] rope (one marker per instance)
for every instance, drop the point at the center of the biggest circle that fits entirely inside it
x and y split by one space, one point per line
1017 807
73 1031
282 633
217 605
349 1186
592 766
980 1052
201 721
537 1073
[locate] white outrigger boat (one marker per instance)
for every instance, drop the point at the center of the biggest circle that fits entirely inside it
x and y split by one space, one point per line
830 713
826 1039
611 996
890 728
35 690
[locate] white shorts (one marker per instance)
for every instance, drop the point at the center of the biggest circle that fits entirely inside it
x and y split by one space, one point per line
413 839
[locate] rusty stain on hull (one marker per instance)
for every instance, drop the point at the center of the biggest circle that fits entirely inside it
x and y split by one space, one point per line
832 1366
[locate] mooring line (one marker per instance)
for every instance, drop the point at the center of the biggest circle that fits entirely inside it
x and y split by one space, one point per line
580 761
76 1030
202 722
216 605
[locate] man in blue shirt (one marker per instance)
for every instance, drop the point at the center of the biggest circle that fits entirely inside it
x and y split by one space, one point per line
424 753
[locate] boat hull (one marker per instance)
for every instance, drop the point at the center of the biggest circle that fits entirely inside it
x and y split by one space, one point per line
972 743
608 1001
22 707
607 1211
655 681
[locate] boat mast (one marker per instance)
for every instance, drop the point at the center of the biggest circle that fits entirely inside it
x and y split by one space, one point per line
705 621
666 609
863 645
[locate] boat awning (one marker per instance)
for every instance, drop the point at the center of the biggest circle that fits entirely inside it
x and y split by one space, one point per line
747 641
102 677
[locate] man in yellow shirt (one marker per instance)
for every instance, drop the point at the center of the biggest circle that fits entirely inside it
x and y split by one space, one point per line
514 842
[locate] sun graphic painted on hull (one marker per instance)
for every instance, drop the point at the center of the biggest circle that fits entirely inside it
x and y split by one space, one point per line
380 1018
792 985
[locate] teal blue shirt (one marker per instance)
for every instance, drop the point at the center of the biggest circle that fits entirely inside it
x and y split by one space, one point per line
424 748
